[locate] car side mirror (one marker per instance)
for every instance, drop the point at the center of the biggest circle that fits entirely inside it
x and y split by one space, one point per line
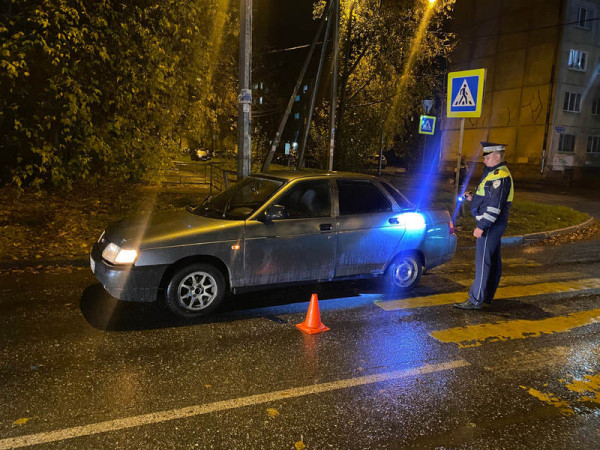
276 212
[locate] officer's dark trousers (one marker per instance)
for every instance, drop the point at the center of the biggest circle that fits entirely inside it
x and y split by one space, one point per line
488 265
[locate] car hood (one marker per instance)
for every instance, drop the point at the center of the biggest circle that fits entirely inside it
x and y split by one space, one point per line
169 228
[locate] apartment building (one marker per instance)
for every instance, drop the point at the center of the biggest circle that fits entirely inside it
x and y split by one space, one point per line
542 87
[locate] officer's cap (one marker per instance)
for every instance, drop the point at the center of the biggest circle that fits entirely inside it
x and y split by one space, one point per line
489 147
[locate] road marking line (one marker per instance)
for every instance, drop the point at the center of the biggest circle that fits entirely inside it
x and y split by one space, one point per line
476 335
510 263
551 399
501 293
181 413
542 358
509 280
589 384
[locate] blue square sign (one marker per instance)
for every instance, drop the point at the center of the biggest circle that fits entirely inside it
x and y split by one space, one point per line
427 125
465 93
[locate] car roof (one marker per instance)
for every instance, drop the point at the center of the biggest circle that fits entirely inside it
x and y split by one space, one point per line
289 175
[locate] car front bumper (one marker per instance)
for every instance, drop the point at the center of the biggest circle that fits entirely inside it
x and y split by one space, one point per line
128 283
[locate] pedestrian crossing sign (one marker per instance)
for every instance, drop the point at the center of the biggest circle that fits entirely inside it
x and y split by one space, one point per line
427 125
465 93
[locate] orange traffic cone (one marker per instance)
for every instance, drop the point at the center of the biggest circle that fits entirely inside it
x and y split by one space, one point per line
313 324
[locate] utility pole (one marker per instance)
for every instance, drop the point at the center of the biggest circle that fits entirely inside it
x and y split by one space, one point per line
313 98
336 32
288 110
245 95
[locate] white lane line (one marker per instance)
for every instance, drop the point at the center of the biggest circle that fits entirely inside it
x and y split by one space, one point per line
163 416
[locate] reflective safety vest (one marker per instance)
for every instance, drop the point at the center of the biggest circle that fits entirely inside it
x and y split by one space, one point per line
497 174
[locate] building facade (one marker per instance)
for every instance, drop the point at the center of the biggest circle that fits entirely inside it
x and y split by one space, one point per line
541 96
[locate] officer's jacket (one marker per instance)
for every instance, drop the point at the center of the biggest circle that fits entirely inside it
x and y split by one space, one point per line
494 196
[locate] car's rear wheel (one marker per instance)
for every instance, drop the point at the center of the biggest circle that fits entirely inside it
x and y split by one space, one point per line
195 290
405 272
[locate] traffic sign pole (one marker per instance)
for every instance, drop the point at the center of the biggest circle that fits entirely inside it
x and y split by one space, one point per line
456 179
464 99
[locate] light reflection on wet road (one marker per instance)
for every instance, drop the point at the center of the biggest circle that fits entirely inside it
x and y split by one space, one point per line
133 377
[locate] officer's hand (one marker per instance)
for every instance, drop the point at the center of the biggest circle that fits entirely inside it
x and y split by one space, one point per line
468 196
478 232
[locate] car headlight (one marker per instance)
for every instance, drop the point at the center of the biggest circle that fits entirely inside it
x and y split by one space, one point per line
117 255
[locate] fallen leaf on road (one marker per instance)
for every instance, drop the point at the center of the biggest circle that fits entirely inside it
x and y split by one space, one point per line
21 421
272 412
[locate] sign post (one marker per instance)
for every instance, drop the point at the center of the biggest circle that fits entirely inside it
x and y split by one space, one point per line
426 127
427 104
464 99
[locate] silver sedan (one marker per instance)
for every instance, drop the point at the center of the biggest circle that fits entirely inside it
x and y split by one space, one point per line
272 229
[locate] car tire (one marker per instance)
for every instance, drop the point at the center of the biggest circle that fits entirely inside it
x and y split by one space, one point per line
404 273
195 290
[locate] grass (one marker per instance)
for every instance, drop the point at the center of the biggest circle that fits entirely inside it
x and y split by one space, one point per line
525 217
63 226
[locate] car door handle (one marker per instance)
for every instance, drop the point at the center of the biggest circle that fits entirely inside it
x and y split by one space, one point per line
393 220
326 227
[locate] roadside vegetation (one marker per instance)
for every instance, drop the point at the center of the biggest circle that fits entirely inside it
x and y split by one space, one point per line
111 89
114 90
525 217
57 226
62 226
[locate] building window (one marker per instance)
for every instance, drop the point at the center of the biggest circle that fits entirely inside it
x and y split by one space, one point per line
566 143
596 106
572 102
297 116
297 98
577 60
584 17
593 144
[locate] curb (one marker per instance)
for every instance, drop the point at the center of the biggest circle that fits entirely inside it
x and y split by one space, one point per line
507 241
531 238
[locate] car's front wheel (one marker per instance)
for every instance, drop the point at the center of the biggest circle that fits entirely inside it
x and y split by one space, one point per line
195 290
405 272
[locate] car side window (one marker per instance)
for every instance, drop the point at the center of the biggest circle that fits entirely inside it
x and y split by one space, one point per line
400 199
361 197
307 199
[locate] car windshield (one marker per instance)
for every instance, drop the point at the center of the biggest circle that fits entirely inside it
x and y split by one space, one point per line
240 201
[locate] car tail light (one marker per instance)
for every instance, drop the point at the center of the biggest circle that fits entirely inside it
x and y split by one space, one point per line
451 226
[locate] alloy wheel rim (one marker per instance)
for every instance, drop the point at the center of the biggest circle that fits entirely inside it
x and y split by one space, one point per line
197 291
405 273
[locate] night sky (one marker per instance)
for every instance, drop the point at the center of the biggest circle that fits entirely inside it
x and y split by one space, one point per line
281 24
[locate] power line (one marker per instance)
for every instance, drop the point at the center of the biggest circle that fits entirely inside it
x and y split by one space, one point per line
577 22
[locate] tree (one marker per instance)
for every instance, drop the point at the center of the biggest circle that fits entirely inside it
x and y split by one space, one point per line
90 90
392 57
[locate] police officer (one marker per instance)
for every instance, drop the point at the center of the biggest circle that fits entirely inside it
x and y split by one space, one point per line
490 205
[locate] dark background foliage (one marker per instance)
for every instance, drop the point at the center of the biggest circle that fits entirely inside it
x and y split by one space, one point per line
90 89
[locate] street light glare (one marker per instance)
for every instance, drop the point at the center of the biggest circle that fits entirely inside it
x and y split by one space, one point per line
431 2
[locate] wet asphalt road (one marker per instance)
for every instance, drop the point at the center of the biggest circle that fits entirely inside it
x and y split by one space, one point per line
79 369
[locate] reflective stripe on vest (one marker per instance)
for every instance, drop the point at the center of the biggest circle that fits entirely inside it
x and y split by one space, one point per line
503 172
